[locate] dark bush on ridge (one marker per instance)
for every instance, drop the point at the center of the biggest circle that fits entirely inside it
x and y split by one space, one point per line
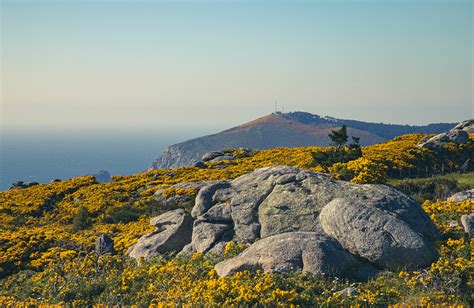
430 189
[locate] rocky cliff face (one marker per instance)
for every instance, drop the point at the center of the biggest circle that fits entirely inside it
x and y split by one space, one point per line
296 219
177 155
283 130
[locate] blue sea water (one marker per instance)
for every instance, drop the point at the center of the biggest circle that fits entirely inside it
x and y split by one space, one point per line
44 156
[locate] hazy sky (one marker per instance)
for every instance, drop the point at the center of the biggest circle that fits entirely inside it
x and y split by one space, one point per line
170 65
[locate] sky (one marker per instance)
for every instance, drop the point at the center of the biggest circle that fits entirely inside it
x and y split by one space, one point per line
209 65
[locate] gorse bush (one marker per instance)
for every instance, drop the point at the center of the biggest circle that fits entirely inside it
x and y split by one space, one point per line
47 235
360 171
83 278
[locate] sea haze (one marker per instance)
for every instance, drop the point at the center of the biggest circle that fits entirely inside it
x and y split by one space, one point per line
47 155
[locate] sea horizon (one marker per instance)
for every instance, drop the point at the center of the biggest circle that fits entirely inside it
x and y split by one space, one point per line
45 155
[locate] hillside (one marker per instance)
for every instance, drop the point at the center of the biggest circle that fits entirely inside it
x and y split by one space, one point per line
386 131
296 129
48 232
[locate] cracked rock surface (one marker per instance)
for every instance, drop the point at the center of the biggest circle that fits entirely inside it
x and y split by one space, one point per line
296 219
173 232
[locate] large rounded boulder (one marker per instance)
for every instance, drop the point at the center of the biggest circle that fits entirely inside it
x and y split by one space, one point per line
298 251
378 236
302 220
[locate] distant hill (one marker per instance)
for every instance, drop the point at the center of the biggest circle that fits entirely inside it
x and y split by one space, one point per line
294 129
386 131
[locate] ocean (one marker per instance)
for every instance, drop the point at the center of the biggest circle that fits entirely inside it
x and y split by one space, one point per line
44 156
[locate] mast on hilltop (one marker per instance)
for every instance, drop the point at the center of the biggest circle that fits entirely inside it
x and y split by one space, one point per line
276 107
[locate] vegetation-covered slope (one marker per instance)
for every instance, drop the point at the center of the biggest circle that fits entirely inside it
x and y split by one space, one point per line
294 129
46 254
271 131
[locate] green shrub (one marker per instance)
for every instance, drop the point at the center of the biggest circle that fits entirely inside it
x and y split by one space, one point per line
123 214
430 189
334 156
82 221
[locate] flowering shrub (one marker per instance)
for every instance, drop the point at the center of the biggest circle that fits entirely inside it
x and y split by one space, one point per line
85 278
403 158
360 171
444 212
232 249
367 171
38 200
42 260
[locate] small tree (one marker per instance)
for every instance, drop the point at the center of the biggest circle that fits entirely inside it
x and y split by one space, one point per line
355 144
354 149
82 221
339 137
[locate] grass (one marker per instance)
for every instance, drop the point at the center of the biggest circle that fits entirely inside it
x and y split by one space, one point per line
464 179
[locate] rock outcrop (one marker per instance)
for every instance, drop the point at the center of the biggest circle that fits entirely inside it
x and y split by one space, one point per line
211 155
103 176
462 196
21 184
347 292
174 201
467 126
104 245
467 222
376 233
459 135
173 232
297 251
200 165
301 220
204 197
